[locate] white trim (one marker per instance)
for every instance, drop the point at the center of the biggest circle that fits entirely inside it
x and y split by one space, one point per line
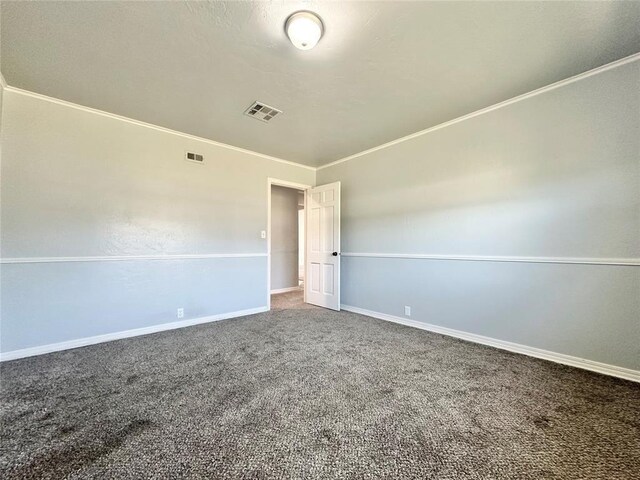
561 83
285 290
630 262
281 183
121 258
152 126
286 183
553 86
3 82
108 337
606 369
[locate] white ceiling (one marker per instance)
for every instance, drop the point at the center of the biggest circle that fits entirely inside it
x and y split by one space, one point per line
383 69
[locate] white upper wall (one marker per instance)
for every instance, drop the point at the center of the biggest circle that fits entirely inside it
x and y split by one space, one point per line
554 175
77 183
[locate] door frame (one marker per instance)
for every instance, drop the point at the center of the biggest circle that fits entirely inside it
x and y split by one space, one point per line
297 186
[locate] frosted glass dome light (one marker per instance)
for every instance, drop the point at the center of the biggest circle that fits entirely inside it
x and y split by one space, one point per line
304 29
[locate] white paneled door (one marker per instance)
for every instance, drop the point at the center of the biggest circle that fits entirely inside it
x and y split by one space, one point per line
322 282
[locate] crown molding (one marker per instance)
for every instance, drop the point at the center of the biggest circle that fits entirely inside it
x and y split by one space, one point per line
533 93
524 96
65 103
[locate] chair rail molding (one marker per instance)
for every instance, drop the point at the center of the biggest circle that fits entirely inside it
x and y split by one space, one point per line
626 262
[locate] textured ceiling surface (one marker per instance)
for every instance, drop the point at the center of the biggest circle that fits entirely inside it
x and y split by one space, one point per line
383 69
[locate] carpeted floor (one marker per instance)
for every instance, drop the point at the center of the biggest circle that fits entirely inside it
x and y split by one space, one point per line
310 393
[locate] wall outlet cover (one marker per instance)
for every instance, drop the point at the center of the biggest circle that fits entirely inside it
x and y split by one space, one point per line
407 311
180 313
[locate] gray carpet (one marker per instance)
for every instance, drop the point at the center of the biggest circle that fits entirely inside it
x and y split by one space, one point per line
310 393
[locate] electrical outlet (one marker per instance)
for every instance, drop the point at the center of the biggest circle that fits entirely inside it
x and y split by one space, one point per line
180 313
407 311
263 234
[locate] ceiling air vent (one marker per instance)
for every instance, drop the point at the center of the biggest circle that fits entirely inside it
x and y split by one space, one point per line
262 112
195 157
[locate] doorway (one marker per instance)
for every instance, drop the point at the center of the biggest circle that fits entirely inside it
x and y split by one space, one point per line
303 248
286 245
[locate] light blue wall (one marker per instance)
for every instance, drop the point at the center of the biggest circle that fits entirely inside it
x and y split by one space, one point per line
587 311
554 175
46 303
80 184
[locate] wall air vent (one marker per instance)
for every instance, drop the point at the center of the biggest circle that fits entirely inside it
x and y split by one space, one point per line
262 112
194 157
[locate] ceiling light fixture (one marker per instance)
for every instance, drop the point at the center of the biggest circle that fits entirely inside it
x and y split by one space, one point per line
304 29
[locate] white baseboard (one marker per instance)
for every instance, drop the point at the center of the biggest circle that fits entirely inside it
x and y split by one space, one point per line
83 342
612 370
285 290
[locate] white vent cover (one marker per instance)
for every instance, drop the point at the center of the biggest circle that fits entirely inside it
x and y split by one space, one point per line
262 112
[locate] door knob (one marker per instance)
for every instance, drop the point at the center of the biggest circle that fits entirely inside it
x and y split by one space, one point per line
335 254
